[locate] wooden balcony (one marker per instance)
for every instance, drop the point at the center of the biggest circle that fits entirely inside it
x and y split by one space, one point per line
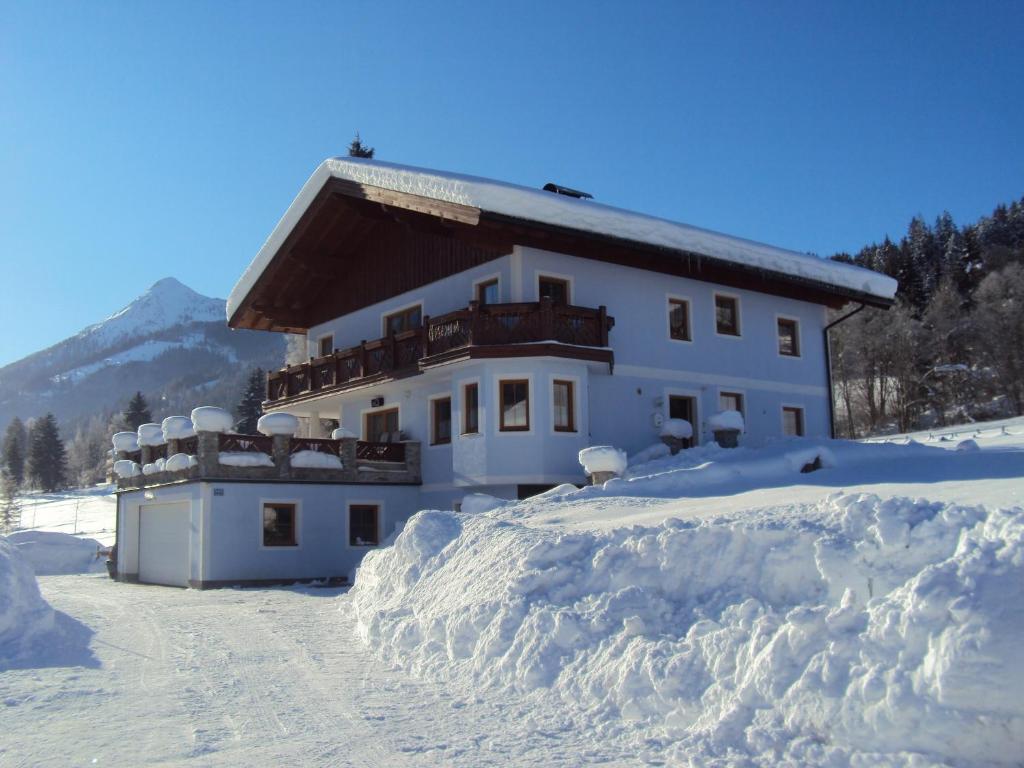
530 329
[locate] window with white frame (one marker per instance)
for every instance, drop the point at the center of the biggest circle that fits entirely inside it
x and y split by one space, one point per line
563 401
789 337
792 421
514 407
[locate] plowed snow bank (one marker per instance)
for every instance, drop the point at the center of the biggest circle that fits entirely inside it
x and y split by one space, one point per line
858 626
24 615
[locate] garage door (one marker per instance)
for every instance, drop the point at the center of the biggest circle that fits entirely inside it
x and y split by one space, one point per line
163 543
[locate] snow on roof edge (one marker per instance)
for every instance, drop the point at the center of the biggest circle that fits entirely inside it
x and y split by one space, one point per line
559 210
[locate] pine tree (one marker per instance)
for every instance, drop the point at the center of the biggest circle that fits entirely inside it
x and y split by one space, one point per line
358 149
137 412
10 509
47 464
250 407
15 445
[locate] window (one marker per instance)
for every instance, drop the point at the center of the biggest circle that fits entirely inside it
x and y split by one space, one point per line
515 405
382 426
562 397
792 421
363 525
487 291
404 320
279 525
789 338
679 319
441 421
730 401
684 407
553 288
727 315
326 345
470 409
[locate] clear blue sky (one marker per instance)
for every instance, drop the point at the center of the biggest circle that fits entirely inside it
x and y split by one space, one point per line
143 139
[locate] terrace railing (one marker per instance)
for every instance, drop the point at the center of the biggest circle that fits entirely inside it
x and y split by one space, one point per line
479 325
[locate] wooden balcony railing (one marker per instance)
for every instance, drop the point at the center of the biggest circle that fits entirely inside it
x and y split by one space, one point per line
479 325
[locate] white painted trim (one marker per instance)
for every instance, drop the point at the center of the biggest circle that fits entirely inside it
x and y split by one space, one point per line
739 314
575 381
695 377
481 409
379 503
386 407
298 524
695 394
515 265
395 310
669 298
430 420
320 338
531 402
487 279
799 338
782 418
569 280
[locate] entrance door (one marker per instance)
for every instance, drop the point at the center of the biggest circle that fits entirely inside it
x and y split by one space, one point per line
684 407
163 543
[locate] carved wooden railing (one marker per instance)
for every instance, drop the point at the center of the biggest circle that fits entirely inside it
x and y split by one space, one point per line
189 445
319 445
477 325
380 451
245 444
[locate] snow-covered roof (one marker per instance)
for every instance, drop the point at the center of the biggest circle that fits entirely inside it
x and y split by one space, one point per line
536 205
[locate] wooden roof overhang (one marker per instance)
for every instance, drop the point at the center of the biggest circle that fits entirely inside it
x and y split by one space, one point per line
356 245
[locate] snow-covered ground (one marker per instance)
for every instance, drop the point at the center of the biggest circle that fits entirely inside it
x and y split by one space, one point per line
86 512
716 608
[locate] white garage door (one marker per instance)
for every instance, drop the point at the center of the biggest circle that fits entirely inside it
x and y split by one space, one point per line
163 543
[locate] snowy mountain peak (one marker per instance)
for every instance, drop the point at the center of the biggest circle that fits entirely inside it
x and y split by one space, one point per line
167 303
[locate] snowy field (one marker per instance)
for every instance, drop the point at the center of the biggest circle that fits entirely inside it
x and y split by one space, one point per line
715 608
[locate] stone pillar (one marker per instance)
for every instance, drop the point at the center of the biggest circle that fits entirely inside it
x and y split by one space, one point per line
147 455
412 460
283 455
209 452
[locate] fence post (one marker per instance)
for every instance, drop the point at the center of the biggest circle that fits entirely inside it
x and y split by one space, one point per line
425 337
602 326
547 319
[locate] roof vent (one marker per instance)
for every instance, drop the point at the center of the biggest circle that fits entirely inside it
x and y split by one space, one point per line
558 189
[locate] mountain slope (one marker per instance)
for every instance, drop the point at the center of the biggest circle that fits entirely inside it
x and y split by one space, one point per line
171 343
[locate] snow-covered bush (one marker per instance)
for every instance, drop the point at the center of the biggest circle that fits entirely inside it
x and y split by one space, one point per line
177 428
208 418
277 424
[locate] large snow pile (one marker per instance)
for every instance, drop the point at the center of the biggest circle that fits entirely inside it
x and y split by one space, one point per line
51 553
852 630
24 615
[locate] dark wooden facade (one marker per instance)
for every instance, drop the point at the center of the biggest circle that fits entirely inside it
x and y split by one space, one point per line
357 245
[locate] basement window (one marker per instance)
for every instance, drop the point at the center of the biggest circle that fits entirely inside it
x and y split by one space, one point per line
279 525
363 525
